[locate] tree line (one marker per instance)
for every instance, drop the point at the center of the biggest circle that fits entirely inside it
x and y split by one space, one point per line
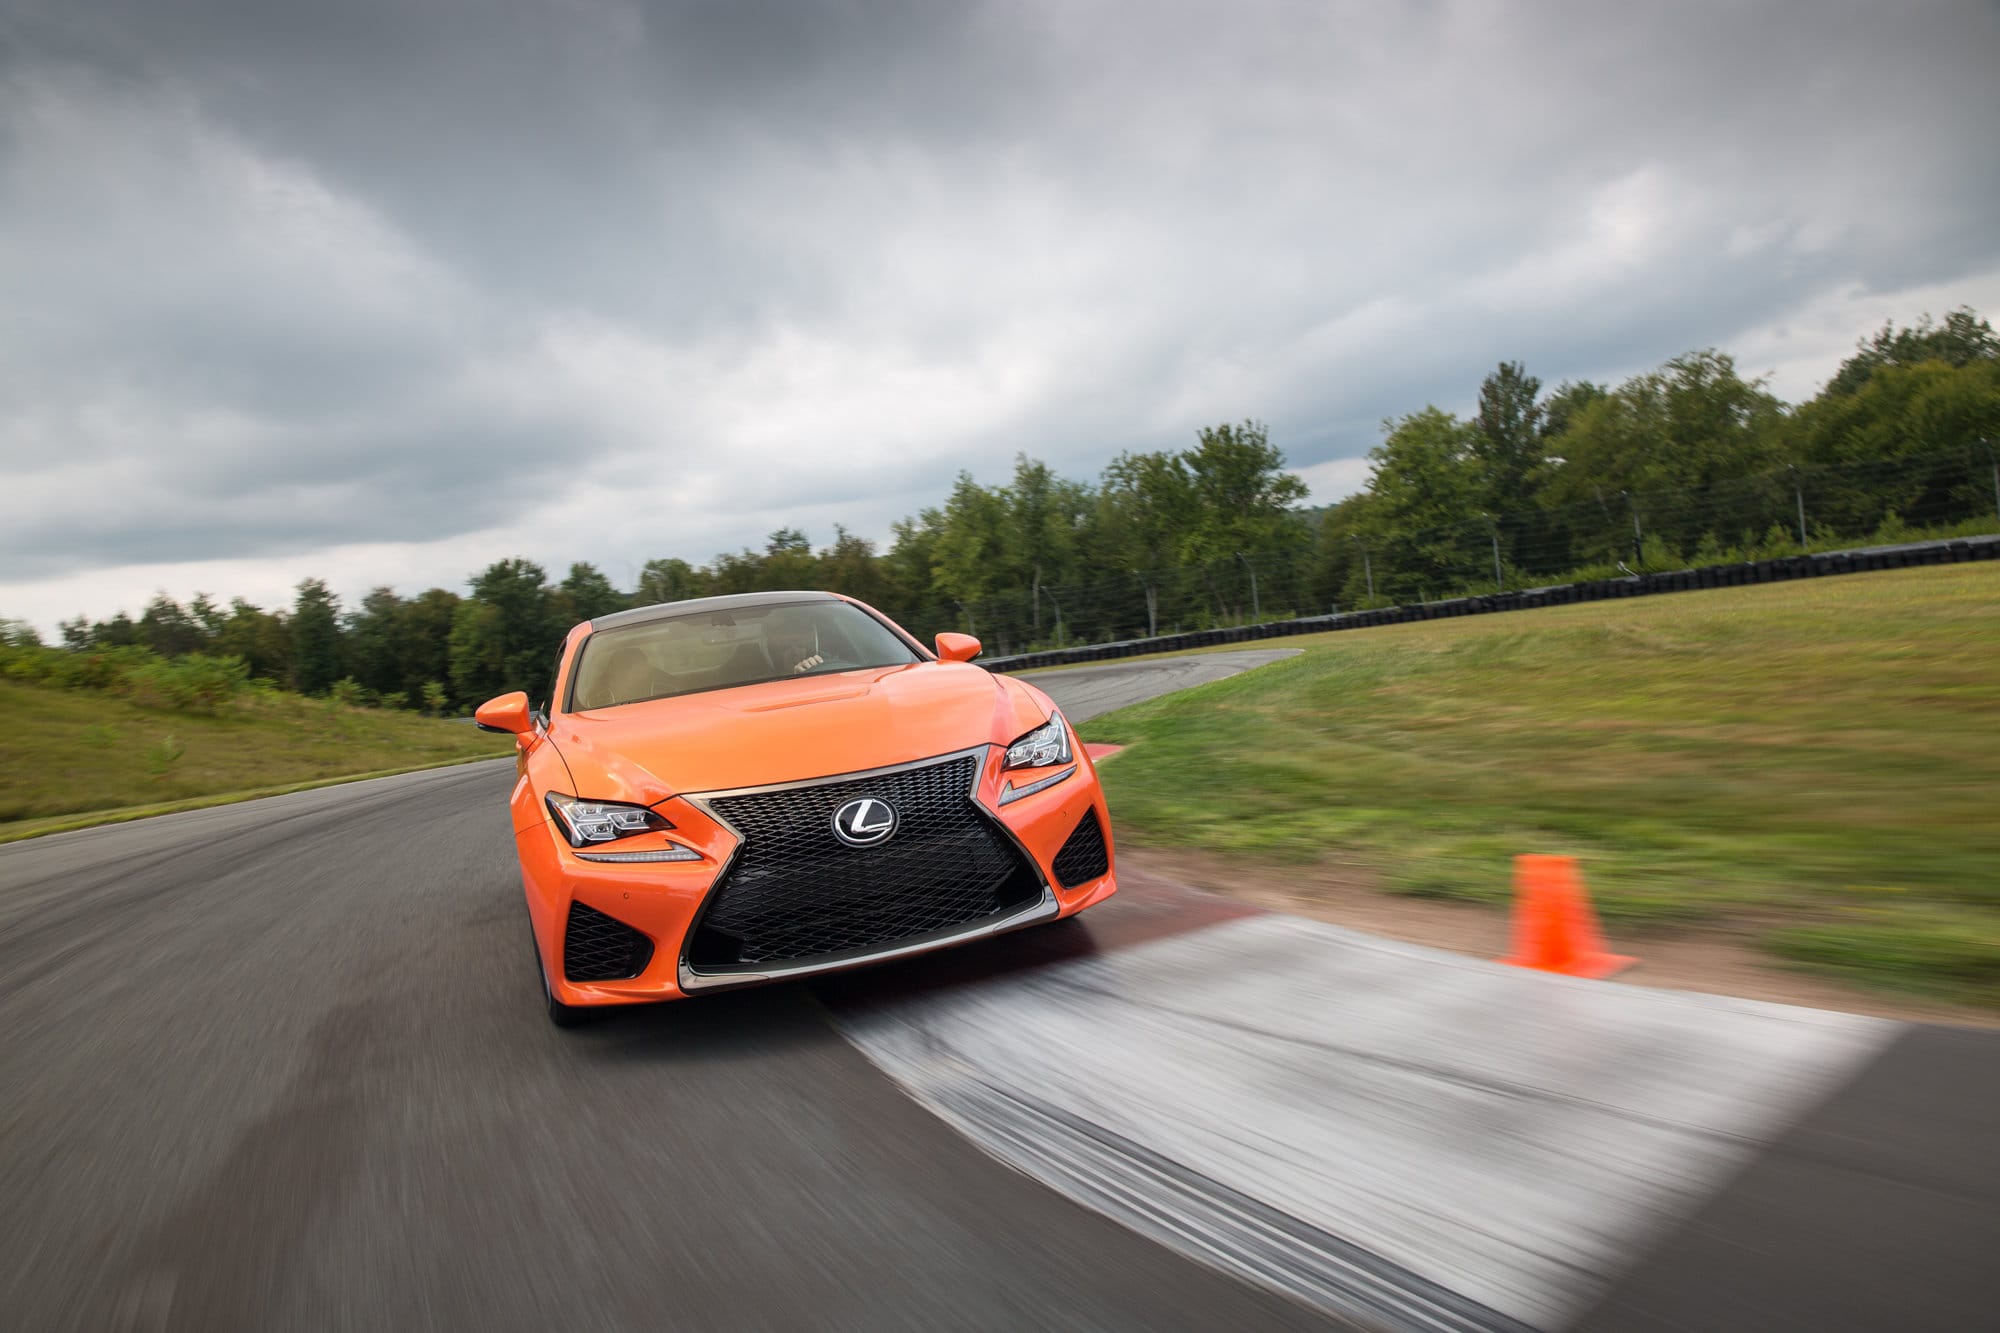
1689 463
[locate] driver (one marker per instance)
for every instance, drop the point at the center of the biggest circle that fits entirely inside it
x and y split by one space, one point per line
792 640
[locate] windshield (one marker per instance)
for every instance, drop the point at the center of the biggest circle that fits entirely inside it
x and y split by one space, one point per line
714 650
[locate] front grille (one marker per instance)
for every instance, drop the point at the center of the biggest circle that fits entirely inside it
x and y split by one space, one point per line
1083 857
597 947
796 892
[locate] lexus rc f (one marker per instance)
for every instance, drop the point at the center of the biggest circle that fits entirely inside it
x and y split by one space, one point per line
736 790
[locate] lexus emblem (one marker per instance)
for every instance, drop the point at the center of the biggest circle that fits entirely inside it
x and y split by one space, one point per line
864 822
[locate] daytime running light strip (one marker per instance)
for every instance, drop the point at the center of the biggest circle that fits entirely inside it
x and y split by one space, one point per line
1010 793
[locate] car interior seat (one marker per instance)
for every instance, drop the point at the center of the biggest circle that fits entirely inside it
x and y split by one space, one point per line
626 676
748 662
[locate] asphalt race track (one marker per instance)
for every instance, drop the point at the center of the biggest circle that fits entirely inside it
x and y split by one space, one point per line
283 1064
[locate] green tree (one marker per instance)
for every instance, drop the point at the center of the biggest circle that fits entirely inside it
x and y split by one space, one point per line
1562 407
478 652
1239 493
667 581
1690 449
261 639
907 570
969 553
121 631
588 594
168 629
423 640
1042 516
1910 441
512 644
1145 509
315 638
851 566
1509 452
1240 499
371 641
1421 520
208 615
788 562
1339 536
1962 340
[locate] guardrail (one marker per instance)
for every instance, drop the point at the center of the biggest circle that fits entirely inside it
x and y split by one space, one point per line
1858 561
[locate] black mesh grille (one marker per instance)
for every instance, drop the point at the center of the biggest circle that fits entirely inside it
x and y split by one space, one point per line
1083 858
601 948
796 892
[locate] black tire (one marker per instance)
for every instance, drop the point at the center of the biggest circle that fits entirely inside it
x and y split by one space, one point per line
562 1015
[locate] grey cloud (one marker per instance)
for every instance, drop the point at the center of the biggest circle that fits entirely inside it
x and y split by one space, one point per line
1307 213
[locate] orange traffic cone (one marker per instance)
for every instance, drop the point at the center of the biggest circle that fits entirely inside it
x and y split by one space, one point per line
1555 929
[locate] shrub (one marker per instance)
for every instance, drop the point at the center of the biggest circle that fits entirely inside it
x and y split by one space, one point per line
195 683
348 692
160 759
98 669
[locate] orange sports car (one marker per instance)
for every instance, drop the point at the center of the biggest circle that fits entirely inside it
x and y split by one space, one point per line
735 790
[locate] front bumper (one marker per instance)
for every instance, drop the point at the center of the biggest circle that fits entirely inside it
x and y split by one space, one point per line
665 901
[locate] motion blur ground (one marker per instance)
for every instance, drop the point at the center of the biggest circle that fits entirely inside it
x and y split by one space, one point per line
274 1065
280 1064
1419 1140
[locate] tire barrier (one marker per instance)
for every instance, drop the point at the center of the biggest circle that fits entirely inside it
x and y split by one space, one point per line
1859 561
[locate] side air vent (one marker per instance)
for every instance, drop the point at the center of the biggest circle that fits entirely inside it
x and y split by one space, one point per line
597 947
1083 858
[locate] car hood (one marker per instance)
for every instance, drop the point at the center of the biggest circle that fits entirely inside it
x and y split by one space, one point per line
787 730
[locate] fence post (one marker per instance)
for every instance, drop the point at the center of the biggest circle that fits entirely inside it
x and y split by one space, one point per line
1367 568
1493 531
1044 592
1996 476
1800 496
1638 539
1256 605
1152 604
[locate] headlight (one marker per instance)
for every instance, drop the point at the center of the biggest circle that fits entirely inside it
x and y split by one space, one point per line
587 823
1045 745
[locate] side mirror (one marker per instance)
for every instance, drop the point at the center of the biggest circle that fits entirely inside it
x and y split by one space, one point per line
956 647
507 715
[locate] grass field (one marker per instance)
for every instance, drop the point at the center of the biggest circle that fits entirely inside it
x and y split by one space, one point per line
1817 763
67 753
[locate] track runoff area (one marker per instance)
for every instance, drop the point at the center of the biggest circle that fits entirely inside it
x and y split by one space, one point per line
281 1065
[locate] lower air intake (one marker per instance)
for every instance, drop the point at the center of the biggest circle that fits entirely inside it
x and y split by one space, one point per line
795 893
597 947
1084 857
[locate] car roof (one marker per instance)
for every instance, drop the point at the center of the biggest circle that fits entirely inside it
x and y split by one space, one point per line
640 615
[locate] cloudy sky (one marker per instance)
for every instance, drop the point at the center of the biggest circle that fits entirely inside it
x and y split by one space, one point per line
383 290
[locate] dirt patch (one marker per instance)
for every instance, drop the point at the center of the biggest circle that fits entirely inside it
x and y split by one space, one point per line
1713 961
